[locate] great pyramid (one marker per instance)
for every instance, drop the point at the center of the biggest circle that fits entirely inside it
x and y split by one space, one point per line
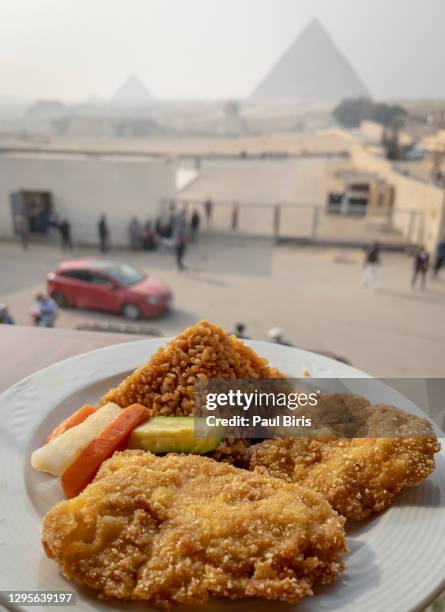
312 69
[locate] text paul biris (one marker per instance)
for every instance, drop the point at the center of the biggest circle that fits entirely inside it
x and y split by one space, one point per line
258 400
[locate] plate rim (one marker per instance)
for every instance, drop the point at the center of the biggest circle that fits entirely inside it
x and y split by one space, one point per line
166 340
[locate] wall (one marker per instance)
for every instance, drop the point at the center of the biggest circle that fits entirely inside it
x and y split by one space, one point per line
371 130
434 142
374 133
418 206
85 187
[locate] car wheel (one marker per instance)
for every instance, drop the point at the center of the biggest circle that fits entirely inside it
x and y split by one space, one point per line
60 299
131 311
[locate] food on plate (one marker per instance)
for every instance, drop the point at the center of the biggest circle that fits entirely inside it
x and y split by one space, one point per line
74 419
348 415
166 384
358 476
173 435
181 528
83 469
55 456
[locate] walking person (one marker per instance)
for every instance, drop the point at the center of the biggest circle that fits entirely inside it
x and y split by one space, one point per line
104 234
208 207
53 226
235 216
149 237
440 258
372 259
240 331
180 248
276 335
135 234
44 311
195 222
22 230
179 223
65 235
171 220
159 228
421 265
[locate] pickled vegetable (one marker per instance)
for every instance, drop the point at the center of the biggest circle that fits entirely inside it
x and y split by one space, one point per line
175 435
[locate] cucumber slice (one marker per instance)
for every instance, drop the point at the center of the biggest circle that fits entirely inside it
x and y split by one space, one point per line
174 435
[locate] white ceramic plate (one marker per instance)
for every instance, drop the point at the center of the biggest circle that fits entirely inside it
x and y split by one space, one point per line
396 561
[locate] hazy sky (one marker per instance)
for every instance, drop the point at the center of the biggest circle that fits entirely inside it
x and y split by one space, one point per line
71 49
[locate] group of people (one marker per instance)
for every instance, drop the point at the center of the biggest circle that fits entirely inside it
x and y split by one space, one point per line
21 224
180 230
174 233
421 264
147 236
141 236
103 232
275 334
63 227
43 313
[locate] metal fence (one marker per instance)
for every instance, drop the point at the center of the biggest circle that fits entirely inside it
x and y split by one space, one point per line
309 223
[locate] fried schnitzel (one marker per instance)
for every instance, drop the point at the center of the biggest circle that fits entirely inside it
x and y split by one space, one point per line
358 476
181 528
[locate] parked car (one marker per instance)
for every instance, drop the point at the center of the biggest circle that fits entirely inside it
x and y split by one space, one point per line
415 154
110 286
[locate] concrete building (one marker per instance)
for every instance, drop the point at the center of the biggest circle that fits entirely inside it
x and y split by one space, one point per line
357 192
80 187
418 207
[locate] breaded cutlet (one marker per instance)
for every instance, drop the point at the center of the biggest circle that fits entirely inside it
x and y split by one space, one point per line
358 476
182 528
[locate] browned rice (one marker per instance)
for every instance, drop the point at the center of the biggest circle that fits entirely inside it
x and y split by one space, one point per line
166 382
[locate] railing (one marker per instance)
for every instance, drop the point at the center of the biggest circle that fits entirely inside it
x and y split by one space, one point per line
302 222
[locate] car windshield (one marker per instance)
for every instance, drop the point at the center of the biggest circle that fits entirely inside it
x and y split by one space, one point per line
124 274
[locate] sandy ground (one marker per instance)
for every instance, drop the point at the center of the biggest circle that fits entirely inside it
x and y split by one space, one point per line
314 295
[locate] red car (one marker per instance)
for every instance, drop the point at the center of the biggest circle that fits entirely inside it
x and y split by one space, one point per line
108 285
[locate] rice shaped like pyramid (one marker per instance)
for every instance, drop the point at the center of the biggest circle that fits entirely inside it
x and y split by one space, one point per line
203 351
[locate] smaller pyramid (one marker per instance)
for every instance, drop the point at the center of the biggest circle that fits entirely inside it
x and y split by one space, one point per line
132 92
313 68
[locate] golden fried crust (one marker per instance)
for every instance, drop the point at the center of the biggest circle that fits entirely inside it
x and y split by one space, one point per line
166 383
358 476
181 528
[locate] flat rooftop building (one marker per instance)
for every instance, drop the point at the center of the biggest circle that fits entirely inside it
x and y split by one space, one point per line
80 187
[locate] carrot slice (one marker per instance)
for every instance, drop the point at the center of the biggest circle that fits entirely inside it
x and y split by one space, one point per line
83 469
75 419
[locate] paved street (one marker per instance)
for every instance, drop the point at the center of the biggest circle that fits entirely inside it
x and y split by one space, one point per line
313 294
